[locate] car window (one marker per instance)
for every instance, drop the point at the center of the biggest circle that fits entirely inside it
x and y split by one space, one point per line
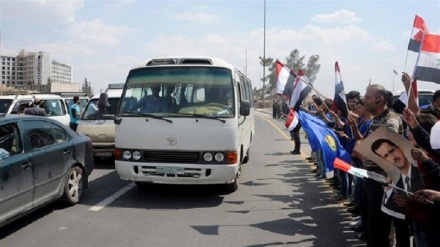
10 141
4 105
53 107
42 134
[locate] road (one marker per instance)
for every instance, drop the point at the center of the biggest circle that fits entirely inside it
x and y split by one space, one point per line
279 203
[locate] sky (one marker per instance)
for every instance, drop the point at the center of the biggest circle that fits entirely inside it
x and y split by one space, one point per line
103 39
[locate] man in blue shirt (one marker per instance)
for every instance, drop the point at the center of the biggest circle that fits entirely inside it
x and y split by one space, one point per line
152 103
74 113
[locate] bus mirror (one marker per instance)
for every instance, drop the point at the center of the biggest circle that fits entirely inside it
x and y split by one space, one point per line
103 101
245 107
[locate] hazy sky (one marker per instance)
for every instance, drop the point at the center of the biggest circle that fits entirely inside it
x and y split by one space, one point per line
103 39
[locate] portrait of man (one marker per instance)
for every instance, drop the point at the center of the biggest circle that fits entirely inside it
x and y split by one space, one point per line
392 152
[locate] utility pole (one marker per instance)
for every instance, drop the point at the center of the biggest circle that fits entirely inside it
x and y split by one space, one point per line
264 55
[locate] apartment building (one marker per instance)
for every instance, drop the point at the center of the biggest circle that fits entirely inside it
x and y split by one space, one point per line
33 68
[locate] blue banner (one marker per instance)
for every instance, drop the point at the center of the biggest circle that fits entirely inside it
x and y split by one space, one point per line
322 138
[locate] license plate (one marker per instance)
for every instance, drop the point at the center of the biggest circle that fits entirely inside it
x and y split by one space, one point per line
103 154
170 170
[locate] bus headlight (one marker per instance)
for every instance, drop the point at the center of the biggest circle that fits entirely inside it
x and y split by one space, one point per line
126 155
136 155
207 157
219 157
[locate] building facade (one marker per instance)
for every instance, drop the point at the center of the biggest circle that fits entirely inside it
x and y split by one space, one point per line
33 68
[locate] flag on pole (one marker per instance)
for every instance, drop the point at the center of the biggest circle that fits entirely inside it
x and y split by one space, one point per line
428 62
339 101
300 91
359 172
401 102
285 78
419 27
292 120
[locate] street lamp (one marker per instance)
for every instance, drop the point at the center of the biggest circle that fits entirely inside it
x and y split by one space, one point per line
264 55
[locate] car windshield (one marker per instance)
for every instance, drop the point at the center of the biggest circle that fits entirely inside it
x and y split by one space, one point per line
92 112
4 105
178 92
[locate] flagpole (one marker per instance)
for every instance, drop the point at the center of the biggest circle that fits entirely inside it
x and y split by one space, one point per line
394 74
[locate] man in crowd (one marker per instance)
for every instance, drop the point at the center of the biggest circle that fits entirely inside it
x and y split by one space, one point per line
36 109
376 223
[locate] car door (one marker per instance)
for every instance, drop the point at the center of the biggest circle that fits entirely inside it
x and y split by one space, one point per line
16 178
51 150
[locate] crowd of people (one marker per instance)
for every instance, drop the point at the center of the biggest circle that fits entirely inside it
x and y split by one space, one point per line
365 197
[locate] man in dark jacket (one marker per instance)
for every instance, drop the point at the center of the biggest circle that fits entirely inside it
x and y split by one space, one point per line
36 109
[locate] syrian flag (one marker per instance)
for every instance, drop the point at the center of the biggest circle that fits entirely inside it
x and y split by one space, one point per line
292 120
339 101
401 102
358 172
300 91
419 27
428 63
285 79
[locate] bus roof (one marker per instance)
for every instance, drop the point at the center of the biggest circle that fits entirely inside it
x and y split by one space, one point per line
189 61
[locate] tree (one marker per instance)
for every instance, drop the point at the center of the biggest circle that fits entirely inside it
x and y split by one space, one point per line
266 62
295 62
87 88
313 68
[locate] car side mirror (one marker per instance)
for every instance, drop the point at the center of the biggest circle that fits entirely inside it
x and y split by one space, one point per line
245 107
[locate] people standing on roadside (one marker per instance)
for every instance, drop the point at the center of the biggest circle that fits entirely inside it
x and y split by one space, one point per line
377 224
36 109
74 113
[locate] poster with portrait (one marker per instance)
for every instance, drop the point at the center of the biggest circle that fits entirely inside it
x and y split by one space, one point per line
392 152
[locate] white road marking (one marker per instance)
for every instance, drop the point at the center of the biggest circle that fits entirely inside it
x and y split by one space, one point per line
111 198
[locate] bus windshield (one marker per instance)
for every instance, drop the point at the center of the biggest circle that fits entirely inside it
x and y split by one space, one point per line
178 92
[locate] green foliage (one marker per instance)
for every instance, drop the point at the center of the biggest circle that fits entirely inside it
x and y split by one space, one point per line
295 62
87 88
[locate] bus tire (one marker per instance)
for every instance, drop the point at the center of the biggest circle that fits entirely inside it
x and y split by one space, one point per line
141 185
246 158
232 187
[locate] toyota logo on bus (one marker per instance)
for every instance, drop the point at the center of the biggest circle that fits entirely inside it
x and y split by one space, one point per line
171 141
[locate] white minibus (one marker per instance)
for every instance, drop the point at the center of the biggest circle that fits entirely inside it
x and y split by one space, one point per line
184 121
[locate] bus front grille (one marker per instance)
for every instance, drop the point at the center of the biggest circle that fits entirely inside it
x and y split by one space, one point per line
171 157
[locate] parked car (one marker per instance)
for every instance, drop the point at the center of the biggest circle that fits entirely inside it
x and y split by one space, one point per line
424 95
41 161
97 120
53 104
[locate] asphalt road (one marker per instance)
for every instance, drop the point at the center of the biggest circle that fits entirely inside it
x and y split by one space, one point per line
279 203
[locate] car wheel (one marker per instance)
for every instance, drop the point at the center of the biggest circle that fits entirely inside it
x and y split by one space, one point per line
73 188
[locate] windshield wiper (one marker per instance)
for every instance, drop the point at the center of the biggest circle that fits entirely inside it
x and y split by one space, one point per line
204 116
155 117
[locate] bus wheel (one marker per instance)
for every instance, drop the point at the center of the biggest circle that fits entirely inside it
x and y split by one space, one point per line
141 185
246 158
232 187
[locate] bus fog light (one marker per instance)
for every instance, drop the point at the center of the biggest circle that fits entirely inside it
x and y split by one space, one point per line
219 157
207 157
136 155
126 155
